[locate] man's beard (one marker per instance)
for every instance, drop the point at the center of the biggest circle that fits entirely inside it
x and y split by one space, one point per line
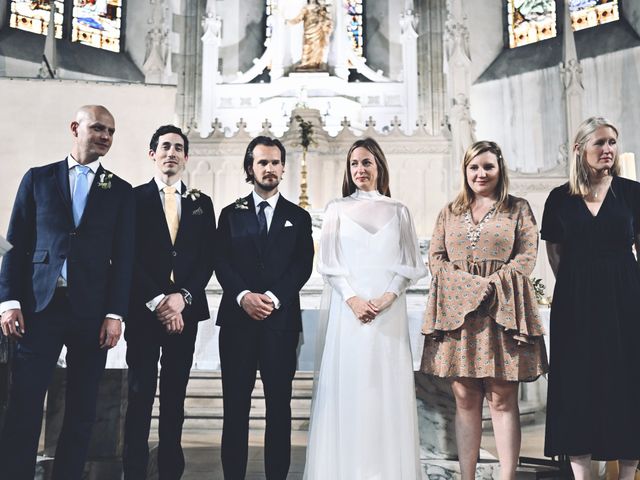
267 187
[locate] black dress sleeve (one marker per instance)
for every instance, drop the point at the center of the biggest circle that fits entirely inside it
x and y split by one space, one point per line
552 228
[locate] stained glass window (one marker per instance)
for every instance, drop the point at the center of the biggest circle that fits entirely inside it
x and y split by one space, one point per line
591 13
355 24
33 16
97 23
530 21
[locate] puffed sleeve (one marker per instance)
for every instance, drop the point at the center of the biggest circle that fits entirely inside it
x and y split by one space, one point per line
454 293
515 306
552 230
410 267
330 263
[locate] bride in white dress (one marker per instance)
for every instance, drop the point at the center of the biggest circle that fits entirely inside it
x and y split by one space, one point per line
364 418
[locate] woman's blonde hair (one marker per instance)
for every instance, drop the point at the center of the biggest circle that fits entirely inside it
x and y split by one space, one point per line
465 197
578 169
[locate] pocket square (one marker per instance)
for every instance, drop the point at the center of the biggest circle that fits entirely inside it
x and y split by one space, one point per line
288 224
197 211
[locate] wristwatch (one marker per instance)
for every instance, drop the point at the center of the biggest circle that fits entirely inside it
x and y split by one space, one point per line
188 299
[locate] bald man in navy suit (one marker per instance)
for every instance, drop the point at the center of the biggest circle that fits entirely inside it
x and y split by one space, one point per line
66 282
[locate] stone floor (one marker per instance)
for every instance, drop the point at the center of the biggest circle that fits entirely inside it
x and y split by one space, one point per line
202 451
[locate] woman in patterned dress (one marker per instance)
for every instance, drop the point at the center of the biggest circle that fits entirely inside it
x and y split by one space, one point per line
482 328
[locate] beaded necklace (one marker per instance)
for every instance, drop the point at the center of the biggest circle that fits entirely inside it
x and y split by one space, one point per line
473 231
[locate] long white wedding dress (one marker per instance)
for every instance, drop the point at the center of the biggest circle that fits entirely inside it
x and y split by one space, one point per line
364 418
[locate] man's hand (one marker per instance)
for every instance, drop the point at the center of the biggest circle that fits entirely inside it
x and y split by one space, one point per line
175 325
363 310
257 305
170 307
383 302
110 332
12 323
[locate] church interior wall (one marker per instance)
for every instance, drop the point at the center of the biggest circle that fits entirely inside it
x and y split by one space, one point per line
378 43
242 35
41 112
251 42
485 21
632 12
136 27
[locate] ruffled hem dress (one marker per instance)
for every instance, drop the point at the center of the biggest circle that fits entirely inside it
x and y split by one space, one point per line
482 317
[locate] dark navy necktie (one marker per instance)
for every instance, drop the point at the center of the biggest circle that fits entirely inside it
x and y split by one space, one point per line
262 219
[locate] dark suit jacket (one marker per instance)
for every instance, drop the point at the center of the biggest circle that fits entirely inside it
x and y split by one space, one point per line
281 265
191 258
99 251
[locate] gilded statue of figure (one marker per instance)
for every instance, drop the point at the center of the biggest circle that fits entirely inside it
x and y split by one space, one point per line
318 26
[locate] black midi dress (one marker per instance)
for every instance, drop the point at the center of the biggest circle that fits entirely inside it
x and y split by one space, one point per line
593 403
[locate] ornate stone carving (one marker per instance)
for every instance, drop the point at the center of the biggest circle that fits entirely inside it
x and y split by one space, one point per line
156 64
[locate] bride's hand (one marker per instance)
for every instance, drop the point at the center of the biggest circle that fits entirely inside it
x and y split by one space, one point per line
363 310
383 302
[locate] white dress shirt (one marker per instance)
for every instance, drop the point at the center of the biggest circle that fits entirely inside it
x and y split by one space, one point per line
268 213
155 301
73 174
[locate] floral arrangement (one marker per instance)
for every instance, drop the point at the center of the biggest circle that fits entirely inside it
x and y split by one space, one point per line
539 289
306 132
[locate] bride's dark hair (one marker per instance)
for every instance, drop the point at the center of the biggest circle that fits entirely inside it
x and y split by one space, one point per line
348 187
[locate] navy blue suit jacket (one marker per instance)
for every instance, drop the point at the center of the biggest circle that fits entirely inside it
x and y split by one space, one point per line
190 258
282 264
99 251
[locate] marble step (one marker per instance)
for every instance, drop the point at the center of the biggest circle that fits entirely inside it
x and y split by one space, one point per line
202 383
214 402
208 419
203 403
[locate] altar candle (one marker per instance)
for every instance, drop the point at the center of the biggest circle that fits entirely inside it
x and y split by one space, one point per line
628 166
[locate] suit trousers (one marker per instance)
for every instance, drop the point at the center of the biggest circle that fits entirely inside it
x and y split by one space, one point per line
145 340
242 352
34 361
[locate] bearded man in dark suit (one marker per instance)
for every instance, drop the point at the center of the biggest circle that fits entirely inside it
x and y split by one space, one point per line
66 282
175 229
265 256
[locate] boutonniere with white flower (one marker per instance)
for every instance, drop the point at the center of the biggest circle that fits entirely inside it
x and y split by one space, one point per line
194 193
104 180
242 204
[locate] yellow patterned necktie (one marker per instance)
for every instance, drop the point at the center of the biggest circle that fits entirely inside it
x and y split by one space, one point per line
171 212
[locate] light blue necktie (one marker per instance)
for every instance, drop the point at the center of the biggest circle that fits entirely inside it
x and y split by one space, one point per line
78 201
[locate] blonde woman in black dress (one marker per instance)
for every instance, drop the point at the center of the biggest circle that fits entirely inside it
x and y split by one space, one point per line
590 225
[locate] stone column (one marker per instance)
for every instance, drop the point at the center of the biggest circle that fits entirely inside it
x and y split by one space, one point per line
431 80
409 38
211 24
185 25
571 75
157 62
457 66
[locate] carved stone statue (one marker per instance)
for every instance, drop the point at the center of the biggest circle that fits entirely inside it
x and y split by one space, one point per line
318 26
